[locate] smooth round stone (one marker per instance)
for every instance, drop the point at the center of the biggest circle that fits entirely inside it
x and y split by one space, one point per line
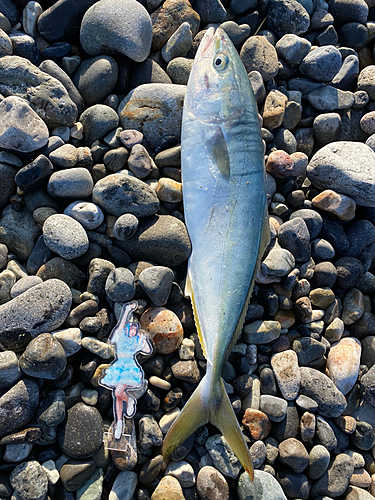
119 285
312 219
34 175
51 411
363 437
294 485
287 373
44 358
367 123
169 190
328 98
98 120
124 486
120 194
164 328
366 80
258 453
279 164
345 11
6 47
139 161
321 250
319 458
130 138
261 332
335 479
65 156
162 239
95 78
353 35
213 10
125 227
335 203
211 484
178 44
157 282
149 432
25 395
21 129
9 369
279 262
75 183
287 16
165 99
353 306
24 284
292 48
44 307
316 385
274 109
187 371
183 472
120 27
168 487
87 214
294 454
273 407
81 435
294 236
264 486
322 63
65 236
29 481
257 54
75 473
357 493
327 127
335 161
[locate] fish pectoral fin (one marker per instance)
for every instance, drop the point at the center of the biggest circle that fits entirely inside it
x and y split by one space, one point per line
218 149
193 415
224 418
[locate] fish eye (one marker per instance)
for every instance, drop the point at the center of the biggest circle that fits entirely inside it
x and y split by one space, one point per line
220 61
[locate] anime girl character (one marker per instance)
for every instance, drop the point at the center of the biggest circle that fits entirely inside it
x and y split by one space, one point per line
125 374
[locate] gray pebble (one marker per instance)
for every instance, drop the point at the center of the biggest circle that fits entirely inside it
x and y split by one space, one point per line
264 486
335 479
120 194
87 214
119 285
258 453
322 63
125 227
222 456
273 407
21 129
44 357
75 183
287 16
117 27
293 48
178 44
44 307
257 54
279 262
65 236
139 161
319 458
9 369
149 432
98 120
157 282
51 411
327 127
179 70
328 98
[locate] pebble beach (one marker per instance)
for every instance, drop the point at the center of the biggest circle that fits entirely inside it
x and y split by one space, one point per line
91 217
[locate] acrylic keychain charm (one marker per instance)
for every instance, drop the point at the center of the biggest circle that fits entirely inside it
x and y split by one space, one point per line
125 376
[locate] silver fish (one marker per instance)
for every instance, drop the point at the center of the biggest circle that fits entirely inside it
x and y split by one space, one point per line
225 209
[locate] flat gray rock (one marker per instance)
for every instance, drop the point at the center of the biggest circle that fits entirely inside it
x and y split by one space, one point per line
155 109
21 128
346 167
46 95
117 27
328 98
42 308
119 194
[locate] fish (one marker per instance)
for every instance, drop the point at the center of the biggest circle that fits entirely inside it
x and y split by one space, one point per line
225 208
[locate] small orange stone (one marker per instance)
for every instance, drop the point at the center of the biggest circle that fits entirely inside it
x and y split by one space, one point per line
164 328
335 203
346 423
257 422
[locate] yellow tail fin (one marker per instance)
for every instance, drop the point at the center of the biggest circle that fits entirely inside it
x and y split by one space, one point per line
204 407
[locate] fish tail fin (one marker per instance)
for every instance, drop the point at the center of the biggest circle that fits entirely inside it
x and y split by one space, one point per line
207 405
223 417
194 414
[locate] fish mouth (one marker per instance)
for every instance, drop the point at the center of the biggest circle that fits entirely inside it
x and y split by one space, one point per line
212 40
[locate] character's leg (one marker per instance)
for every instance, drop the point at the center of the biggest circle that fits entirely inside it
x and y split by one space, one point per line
120 396
131 406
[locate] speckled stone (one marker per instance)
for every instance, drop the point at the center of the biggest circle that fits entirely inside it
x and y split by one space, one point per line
343 363
164 328
287 373
29 481
24 394
65 236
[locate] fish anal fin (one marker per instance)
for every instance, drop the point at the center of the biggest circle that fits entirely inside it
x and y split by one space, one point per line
224 418
189 292
218 149
193 415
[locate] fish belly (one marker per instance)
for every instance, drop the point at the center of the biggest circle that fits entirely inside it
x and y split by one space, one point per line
225 218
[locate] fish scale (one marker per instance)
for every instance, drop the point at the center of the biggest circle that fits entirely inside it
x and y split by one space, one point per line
225 210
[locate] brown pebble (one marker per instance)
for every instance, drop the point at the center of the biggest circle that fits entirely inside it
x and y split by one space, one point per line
335 203
169 190
257 422
307 426
346 423
285 318
360 478
164 328
279 164
274 109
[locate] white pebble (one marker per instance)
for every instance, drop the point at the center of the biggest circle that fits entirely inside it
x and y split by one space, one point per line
167 420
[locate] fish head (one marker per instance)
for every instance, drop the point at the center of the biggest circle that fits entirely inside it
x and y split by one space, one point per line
218 83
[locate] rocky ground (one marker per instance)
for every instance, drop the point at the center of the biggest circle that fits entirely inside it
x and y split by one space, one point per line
91 217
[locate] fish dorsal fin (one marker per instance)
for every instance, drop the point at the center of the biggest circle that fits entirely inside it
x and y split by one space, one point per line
218 149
